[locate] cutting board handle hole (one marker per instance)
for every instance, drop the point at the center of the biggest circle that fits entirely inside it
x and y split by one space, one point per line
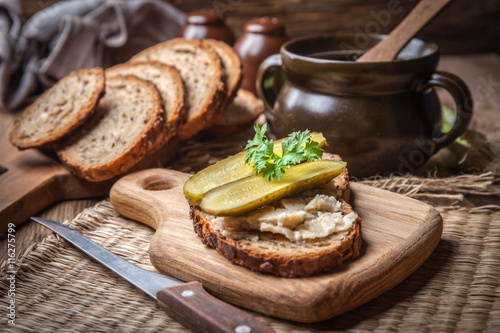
160 182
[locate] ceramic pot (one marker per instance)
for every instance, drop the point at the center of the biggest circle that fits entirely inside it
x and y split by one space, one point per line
262 37
379 117
206 23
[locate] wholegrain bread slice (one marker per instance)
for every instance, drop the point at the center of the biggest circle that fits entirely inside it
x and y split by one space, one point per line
169 83
60 110
273 253
201 71
124 129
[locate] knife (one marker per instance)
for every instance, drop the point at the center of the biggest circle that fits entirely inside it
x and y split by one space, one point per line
188 303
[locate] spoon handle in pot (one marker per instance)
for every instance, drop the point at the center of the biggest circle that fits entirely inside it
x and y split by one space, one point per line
388 49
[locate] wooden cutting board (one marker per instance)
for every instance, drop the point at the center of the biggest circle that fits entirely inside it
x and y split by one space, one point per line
398 233
31 180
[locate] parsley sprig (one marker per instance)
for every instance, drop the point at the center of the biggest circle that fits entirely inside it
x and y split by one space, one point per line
297 148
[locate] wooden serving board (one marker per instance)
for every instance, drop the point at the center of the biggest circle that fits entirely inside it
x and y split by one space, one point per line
398 235
31 180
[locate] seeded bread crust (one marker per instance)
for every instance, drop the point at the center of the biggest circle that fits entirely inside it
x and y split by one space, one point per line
341 182
232 68
128 120
201 71
60 110
275 254
169 83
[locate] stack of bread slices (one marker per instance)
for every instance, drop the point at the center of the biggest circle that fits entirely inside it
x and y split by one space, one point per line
103 122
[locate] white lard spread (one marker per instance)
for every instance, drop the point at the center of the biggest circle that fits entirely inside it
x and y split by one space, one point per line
297 218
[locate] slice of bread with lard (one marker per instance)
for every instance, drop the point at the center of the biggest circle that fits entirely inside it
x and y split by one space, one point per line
307 233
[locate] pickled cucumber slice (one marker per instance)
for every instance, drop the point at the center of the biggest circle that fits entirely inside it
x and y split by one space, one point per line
254 191
228 170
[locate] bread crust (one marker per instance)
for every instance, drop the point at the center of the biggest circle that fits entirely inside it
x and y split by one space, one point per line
197 119
69 154
282 263
232 71
78 116
341 182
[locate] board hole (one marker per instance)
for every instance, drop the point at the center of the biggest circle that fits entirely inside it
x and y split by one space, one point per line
160 183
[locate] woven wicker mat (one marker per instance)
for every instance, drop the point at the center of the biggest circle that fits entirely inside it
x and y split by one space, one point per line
58 289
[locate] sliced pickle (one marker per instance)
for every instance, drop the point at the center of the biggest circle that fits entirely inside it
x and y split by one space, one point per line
228 170
254 191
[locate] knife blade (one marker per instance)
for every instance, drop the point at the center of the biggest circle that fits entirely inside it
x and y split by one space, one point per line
187 302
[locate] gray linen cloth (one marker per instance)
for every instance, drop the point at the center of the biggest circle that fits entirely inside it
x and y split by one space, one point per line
75 34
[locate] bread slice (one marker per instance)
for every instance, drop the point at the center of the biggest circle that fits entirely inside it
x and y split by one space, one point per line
126 125
240 114
169 83
201 71
274 253
60 110
231 65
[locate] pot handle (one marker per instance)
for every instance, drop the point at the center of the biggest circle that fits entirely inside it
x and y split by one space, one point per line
264 86
463 101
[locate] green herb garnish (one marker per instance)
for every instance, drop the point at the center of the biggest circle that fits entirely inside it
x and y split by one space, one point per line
297 148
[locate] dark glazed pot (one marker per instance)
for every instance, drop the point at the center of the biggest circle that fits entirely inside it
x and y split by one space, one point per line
380 117
206 23
261 38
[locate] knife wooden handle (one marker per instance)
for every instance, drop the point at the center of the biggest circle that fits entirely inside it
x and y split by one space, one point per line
192 306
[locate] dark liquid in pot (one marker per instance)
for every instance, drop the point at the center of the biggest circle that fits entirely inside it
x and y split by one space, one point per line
337 55
340 55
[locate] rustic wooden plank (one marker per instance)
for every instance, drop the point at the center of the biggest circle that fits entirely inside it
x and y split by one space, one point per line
34 180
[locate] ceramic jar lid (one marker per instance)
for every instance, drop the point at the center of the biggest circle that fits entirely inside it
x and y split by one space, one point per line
205 16
265 25
206 23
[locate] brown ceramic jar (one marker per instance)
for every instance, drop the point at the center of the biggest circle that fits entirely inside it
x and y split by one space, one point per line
206 23
262 37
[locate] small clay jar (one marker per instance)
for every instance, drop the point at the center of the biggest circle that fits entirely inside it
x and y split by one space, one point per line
206 23
261 38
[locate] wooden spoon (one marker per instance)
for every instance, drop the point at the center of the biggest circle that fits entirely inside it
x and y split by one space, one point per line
388 49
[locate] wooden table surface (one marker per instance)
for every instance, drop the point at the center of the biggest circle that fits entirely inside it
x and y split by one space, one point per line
481 72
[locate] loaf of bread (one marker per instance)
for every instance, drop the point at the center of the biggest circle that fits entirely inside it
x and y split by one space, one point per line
201 71
60 110
169 83
125 127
